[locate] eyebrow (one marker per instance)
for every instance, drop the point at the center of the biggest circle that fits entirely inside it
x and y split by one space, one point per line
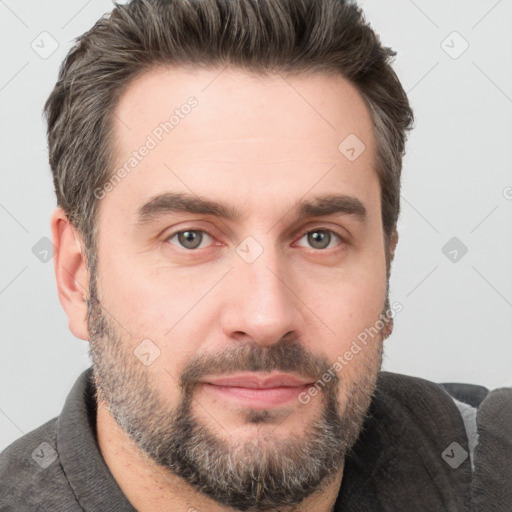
178 202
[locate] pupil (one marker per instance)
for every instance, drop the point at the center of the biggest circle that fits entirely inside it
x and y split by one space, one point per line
189 239
319 237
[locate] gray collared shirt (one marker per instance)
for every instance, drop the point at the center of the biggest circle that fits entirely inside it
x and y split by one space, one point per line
59 467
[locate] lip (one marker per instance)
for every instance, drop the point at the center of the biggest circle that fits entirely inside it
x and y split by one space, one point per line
253 381
257 391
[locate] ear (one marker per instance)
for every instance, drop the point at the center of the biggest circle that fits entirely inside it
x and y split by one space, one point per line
71 272
394 241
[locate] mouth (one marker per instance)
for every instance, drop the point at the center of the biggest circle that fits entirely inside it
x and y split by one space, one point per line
257 390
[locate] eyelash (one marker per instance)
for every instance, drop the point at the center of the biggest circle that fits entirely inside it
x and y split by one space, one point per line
317 229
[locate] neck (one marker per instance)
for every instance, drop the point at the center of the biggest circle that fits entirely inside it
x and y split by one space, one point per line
150 487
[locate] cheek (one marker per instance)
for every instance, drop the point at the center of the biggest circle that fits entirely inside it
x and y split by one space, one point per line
162 306
348 311
138 299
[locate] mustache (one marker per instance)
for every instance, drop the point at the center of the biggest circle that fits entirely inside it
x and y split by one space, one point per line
284 356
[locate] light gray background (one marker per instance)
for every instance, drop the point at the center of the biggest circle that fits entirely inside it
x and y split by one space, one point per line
456 323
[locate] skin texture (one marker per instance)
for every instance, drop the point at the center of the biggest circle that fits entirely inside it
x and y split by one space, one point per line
260 144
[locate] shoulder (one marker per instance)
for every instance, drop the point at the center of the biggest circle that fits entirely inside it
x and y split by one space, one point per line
418 392
428 400
407 386
415 439
443 404
31 477
486 415
405 402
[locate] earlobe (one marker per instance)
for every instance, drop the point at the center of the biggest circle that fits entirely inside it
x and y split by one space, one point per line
70 272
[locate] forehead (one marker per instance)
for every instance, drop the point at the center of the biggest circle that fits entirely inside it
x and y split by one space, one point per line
210 131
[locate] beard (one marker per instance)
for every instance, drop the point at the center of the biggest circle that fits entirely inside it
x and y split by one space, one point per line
262 473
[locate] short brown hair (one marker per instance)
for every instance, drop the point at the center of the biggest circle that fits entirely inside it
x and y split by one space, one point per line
254 35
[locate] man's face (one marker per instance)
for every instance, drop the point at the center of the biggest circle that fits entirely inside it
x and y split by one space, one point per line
265 293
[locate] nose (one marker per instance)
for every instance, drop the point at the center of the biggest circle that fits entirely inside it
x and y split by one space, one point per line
259 301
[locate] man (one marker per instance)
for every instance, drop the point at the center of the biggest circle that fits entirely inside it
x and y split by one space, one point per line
228 181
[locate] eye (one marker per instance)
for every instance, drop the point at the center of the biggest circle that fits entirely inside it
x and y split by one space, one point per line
321 238
190 238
